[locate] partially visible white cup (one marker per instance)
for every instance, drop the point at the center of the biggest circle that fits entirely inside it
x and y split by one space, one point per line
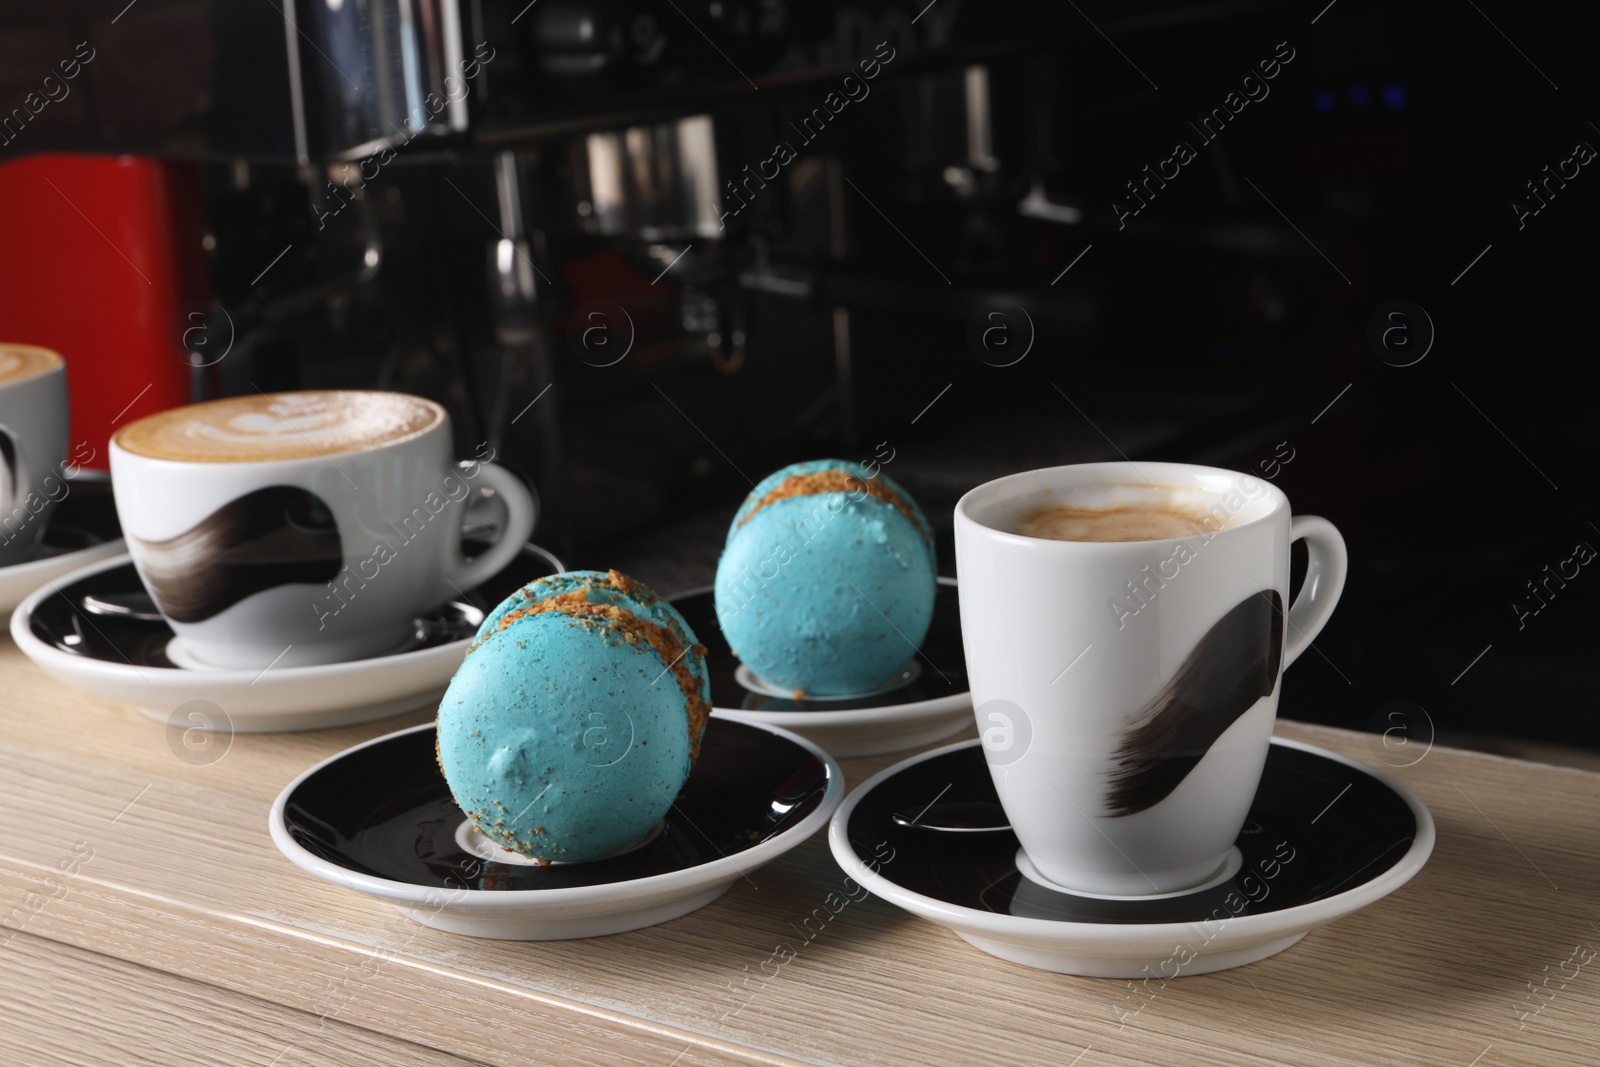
1126 690
33 446
300 528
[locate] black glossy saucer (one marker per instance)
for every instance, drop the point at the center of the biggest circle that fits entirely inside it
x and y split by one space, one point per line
1357 839
107 615
86 516
380 819
1326 835
97 630
385 810
82 530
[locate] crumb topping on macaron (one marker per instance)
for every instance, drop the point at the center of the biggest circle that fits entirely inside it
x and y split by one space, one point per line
667 640
840 479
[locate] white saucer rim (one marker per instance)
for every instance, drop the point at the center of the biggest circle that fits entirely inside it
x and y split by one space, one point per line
38 650
892 713
627 892
1265 924
66 563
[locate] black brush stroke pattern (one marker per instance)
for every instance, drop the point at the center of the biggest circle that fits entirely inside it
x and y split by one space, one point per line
275 536
8 457
1234 665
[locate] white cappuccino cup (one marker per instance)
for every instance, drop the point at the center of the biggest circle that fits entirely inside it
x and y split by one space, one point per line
1126 629
300 528
33 446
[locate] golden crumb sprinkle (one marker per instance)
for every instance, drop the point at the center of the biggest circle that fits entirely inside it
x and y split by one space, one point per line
837 480
668 642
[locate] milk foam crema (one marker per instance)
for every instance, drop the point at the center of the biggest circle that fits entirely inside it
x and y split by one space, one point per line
18 362
1125 513
280 426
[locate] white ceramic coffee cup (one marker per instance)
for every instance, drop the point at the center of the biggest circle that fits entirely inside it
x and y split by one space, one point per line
397 507
33 452
1126 691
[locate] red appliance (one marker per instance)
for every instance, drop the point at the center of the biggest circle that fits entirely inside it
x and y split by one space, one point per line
101 259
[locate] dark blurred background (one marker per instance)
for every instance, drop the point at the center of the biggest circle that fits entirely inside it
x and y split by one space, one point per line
979 249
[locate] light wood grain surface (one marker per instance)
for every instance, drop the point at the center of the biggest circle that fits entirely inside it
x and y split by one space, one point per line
66 1005
148 892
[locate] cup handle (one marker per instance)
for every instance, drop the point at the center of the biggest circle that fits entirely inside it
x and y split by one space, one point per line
519 505
1319 593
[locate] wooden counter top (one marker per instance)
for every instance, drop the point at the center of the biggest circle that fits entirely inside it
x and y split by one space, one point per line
158 924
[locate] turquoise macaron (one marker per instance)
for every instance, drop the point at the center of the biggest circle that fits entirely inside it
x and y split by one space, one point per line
575 717
826 582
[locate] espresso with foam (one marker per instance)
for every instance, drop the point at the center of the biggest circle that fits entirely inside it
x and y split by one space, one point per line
280 426
1115 514
20 362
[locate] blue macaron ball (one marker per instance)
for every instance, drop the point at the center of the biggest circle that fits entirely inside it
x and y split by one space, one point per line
574 720
826 582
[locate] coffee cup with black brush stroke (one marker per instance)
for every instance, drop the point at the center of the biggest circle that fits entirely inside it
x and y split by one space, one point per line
1126 629
33 446
294 529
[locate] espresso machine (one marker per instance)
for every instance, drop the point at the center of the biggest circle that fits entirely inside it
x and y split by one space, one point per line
645 250
650 251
